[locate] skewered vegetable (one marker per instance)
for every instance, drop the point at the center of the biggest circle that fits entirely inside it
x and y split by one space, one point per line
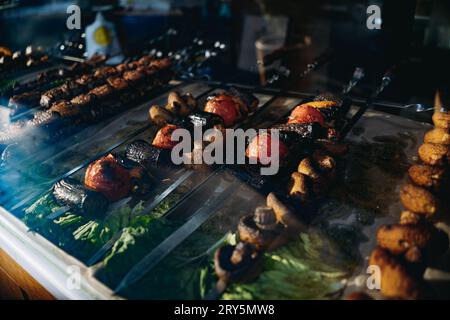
283 214
260 149
69 192
226 107
144 153
306 114
163 138
160 116
108 177
238 263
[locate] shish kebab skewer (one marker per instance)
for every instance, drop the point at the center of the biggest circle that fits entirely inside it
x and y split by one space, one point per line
263 231
97 102
142 153
158 253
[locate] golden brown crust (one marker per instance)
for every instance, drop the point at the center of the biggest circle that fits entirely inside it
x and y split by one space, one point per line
437 135
408 217
441 120
418 200
396 281
428 176
399 238
434 154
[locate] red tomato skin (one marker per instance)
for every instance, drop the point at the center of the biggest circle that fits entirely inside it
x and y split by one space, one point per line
225 107
260 147
163 138
306 114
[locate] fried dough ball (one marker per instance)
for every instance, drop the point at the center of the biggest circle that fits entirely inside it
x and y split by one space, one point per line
437 135
408 217
418 242
441 120
396 281
418 200
434 154
428 176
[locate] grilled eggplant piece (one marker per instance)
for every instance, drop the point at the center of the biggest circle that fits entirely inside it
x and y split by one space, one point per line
70 192
310 131
144 153
206 120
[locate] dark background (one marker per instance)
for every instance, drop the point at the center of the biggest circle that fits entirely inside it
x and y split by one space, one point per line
414 36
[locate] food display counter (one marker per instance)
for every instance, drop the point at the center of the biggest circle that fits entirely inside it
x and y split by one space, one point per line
98 200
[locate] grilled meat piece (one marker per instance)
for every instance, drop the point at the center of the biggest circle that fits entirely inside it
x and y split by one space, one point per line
163 138
20 103
118 83
51 96
83 100
108 177
144 153
121 68
65 109
70 192
133 76
103 92
71 88
145 60
105 72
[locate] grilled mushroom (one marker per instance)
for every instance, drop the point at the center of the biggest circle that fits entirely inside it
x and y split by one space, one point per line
308 167
299 187
238 263
283 214
428 176
176 104
190 101
160 116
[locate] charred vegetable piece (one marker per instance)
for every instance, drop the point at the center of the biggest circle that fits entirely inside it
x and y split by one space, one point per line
226 107
260 149
160 116
238 263
163 138
144 153
206 119
303 130
306 114
70 192
108 177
